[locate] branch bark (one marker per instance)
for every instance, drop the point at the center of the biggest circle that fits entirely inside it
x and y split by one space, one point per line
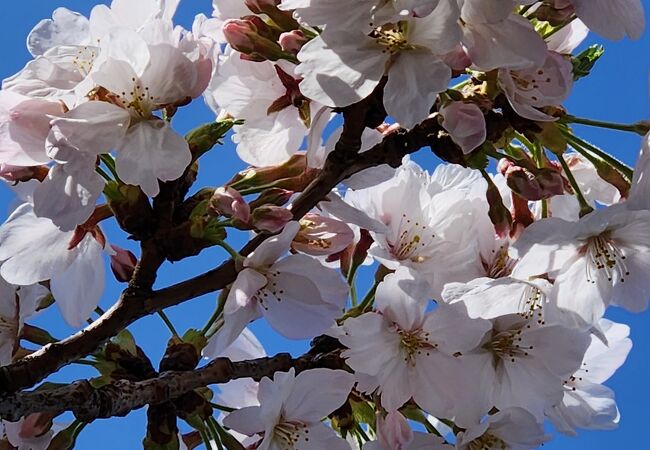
121 397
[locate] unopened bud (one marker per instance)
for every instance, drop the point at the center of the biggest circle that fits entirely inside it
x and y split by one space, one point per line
273 196
522 216
228 202
35 425
246 37
18 173
320 236
499 214
457 60
292 41
533 185
283 19
292 175
271 218
122 263
465 123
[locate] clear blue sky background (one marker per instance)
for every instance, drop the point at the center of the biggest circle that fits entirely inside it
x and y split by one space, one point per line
617 91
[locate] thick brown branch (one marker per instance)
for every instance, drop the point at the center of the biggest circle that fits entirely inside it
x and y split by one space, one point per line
121 397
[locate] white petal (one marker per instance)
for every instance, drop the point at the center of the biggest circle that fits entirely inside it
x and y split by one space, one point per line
316 393
152 151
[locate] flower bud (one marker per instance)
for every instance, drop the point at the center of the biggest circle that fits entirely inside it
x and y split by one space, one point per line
499 214
293 174
319 236
292 41
18 173
122 263
533 184
457 60
465 123
228 202
273 196
283 19
271 218
248 37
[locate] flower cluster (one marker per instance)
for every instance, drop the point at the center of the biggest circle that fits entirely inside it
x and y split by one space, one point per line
485 317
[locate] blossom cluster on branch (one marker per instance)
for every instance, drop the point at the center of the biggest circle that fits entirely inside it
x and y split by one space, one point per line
492 273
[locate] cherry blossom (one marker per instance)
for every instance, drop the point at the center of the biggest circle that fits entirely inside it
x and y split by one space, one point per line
291 408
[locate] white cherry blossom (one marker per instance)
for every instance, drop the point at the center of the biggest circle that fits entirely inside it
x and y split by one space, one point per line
291 408
297 294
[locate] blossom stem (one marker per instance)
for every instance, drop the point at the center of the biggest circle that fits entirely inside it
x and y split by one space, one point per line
360 431
580 144
109 162
234 254
221 302
99 311
210 422
168 322
104 175
585 208
205 439
640 128
369 297
222 407
352 273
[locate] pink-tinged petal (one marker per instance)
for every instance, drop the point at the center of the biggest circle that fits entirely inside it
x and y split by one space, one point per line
152 151
24 125
316 393
465 123
394 431
78 289
94 127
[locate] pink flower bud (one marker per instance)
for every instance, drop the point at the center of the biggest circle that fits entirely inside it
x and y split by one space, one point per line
252 38
271 218
19 173
465 123
258 6
321 236
499 214
228 202
292 41
123 263
535 184
35 425
458 60
283 19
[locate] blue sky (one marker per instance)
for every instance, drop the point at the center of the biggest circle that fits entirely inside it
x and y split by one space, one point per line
616 91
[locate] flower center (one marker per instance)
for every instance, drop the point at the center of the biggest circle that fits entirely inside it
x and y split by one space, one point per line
139 101
488 442
392 37
507 345
415 343
413 237
289 434
501 265
604 258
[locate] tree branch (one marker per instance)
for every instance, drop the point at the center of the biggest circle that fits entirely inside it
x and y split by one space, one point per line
121 397
134 304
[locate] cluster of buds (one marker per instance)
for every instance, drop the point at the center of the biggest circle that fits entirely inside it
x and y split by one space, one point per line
266 213
271 34
534 183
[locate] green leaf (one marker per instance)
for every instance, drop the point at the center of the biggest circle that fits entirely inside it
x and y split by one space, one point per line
585 61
